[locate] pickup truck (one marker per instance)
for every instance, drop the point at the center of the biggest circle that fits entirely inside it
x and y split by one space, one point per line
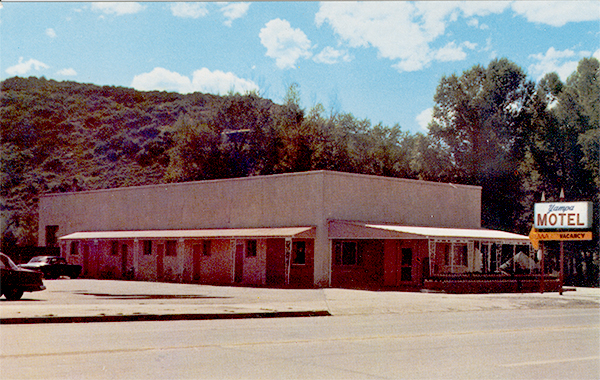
53 267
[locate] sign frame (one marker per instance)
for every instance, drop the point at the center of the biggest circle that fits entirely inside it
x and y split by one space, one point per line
562 215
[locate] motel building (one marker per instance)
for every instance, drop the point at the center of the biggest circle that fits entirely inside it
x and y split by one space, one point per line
310 229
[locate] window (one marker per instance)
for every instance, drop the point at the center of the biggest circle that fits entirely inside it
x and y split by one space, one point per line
207 247
147 247
346 253
114 248
461 256
299 252
74 248
251 248
7 263
171 248
202 249
484 257
494 257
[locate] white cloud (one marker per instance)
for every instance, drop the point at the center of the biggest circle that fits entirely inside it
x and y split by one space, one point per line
189 10
70 72
162 80
331 56
118 9
23 68
233 11
219 82
482 8
203 80
424 118
469 45
450 52
596 54
557 13
50 33
284 43
475 23
562 62
400 31
404 32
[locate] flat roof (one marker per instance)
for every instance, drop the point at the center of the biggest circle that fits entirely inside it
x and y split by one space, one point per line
268 176
298 232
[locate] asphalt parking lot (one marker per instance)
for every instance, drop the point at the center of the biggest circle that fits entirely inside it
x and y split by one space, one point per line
83 300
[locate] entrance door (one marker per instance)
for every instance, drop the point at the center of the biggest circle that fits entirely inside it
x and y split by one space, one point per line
197 251
86 258
124 273
406 257
239 262
399 258
160 253
275 262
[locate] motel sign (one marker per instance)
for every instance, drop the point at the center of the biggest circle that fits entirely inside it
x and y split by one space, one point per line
563 215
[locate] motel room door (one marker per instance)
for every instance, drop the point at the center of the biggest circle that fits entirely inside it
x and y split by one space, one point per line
160 254
86 260
124 261
239 262
399 258
275 271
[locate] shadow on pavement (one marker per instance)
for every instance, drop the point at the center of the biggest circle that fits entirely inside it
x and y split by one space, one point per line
148 296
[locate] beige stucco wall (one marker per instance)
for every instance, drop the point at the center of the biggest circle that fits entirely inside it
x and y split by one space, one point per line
270 201
296 199
401 201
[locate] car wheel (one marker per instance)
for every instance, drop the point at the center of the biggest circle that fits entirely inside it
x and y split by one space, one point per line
50 275
13 294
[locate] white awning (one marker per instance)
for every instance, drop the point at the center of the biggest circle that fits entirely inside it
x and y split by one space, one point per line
349 230
278 232
433 232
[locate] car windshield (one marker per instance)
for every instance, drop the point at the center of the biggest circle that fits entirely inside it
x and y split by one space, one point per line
38 259
8 263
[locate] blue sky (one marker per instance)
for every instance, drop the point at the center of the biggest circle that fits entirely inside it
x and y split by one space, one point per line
377 60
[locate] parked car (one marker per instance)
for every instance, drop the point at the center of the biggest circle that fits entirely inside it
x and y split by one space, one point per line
53 267
14 280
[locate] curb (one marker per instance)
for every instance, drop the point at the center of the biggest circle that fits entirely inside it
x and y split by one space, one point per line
163 317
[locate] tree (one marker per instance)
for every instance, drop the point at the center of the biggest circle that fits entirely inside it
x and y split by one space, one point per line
197 153
563 152
478 119
564 143
297 135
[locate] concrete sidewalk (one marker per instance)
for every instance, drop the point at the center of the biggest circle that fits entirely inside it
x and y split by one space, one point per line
68 301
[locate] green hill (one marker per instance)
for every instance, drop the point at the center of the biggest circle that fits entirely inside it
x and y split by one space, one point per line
68 136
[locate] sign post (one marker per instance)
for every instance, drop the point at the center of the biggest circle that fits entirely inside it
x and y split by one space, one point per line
560 216
542 268
561 276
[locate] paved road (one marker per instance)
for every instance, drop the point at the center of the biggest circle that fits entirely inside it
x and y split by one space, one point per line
527 343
